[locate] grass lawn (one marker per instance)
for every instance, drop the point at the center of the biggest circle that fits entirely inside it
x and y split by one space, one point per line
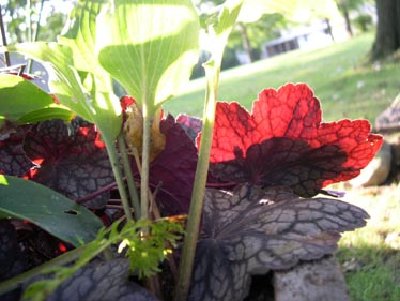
371 255
346 87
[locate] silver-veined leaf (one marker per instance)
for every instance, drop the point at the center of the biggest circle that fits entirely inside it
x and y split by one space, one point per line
250 231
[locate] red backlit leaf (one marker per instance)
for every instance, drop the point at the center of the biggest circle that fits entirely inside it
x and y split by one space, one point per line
251 230
283 142
74 159
127 101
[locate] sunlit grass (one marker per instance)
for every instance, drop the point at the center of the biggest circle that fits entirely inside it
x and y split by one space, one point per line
346 86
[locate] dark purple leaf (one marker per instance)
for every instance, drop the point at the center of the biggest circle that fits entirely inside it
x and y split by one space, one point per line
102 281
13 159
174 169
191 125
250 231
72 160
9 248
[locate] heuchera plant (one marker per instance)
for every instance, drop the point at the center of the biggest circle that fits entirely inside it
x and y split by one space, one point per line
244 187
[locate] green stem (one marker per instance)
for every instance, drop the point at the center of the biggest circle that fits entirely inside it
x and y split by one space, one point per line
196 202
115 164
144 174
47 267
129 177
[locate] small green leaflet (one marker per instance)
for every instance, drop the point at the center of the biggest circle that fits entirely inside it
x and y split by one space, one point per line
53 212
219 28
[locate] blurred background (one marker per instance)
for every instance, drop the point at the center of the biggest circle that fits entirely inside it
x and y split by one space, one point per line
348 51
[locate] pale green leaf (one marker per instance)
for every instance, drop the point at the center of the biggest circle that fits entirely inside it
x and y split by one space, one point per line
81 38
63 77
149 46
23 102
80 35
53 212
52 111
65 82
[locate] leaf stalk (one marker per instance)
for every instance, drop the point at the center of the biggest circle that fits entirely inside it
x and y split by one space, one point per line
116 168
197 199
133 194
145 168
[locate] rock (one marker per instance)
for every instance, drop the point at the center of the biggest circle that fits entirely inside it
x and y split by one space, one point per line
390 117
393 240
377 170
319 280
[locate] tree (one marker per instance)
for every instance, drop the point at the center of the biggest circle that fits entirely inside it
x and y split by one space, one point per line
296 11
387 37
251 35
24 17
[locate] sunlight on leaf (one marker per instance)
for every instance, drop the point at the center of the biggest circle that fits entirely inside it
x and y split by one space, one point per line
149 47
64 80
282 141
95 105
29 103
3 180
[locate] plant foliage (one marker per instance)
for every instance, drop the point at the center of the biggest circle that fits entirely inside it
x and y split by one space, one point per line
283 142
144 256
266 160
252 230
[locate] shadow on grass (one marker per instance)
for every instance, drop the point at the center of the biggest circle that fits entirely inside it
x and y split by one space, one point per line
372 272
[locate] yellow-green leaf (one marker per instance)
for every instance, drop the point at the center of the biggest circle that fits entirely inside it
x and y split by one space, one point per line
149 46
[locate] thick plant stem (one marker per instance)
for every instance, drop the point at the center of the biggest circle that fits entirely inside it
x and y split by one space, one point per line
47 267
145 170
129 177
196 202
113 157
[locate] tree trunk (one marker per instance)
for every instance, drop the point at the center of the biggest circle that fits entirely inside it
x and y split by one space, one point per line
246 41
347 22
387 38
329 28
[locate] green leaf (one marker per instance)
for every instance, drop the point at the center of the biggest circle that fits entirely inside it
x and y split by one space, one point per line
63 77
149 46
23 102
97 106
52 111
55 213
81 35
